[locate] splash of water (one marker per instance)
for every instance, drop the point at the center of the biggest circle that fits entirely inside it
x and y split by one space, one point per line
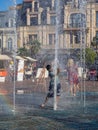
14 51
56 48
81 16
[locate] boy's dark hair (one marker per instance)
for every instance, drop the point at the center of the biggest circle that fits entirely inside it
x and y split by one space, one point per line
48 67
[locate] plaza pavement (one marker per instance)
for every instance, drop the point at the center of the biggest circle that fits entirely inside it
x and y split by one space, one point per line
73 113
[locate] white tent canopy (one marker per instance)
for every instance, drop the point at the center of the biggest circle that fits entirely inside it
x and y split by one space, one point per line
31 59
5 57
19 58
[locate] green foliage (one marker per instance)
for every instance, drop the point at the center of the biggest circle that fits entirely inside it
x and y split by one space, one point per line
90 56
22 51
34 47
30 49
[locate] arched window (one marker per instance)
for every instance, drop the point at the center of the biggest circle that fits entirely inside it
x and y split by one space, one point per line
77 20
10 44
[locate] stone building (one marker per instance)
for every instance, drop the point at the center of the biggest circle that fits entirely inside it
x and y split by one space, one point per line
77 23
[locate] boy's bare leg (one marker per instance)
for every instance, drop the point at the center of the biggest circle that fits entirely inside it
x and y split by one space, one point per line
71 89
43 104
57 99
75 89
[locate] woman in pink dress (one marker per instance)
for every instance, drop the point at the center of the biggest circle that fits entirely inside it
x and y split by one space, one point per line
72 76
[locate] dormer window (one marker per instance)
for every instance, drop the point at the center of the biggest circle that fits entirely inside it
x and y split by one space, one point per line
36 6
10 44
11 22
77 3
52 20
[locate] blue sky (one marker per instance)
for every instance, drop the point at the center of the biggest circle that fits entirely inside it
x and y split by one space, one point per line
4 4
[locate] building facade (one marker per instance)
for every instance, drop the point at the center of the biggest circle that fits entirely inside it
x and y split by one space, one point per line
36 20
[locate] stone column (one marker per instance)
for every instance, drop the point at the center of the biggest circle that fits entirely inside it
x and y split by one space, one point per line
28 16
48 16
33 6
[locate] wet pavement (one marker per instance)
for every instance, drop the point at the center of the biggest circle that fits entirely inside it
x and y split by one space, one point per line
78 112
71 113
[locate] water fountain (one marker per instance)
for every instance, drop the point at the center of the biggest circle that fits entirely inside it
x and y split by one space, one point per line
14 53
74 110
81 15
56 48
82 10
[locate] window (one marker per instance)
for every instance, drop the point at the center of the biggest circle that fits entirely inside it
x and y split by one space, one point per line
11 23
96 18
43 17
30 37
55 5
36 6
33 37
34 21
77 20
0 43
71 37
77 3
96 33
51 39
52 20
10 44
75 37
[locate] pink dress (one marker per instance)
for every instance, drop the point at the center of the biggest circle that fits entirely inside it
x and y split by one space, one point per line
73 75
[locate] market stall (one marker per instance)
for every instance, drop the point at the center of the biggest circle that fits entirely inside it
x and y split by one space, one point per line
3 67
30 67
20 61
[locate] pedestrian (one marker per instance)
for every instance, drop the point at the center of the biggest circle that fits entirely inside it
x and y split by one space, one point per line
28 72
52 76
73 78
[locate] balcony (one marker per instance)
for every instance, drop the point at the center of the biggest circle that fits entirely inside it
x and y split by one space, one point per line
73 28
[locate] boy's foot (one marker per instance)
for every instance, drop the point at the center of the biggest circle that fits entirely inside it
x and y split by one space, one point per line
42 106
74 94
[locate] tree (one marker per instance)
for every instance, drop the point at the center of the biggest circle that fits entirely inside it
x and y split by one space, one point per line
22 51
90 56
33 47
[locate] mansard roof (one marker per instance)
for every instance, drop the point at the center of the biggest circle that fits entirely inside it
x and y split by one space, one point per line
27 0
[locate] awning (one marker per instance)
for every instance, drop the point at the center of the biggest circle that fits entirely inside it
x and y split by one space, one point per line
31 59
19 58
5 57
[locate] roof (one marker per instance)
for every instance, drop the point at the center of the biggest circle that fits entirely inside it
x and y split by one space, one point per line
28 0
5 57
